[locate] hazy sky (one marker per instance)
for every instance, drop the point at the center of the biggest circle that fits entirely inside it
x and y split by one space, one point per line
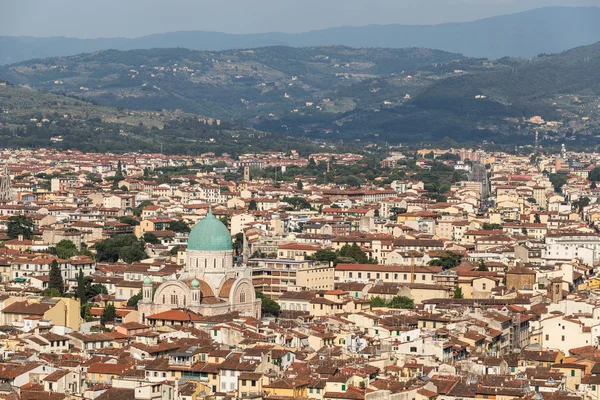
110 18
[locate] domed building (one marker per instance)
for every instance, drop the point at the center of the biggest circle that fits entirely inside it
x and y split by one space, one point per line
210 283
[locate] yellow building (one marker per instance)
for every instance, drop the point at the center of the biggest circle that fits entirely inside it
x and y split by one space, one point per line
287 388
60 311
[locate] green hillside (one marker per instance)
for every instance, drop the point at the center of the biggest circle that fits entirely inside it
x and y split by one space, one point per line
30 118
338 93
240 84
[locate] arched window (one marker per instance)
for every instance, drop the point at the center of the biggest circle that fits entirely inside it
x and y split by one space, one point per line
205 263
243 297
163 299
184 301
215 262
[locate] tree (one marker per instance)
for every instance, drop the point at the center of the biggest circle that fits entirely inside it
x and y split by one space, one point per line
252 206
536 219
268 306
324 256
299 185
125 247
129 221
81 287
179 226
581 203
491 227
558 181
593 185
238 243
594 175
458 294
51 292
86 312
20 225
174 250
377 302
134 300
401 302
447 260
65 249
119 172
137 211
109 314
151 238
354 253
56 280
133 253
482 266
94 290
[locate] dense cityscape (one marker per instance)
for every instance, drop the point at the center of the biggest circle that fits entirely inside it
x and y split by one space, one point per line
151 276
279 200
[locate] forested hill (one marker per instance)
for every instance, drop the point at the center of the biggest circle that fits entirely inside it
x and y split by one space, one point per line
240 84
546 85
341 93
30 118
525 34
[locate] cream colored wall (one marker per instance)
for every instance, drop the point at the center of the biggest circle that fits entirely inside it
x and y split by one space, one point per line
316 278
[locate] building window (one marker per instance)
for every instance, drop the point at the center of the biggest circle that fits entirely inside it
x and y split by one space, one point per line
562 338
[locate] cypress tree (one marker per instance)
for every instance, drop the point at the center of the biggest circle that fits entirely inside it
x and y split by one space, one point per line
56 280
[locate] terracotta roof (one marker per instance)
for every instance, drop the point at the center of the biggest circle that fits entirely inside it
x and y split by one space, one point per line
176 315
226 288
24 307
105 368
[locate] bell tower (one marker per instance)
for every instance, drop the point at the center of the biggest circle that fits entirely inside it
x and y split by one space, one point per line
556 293
5 186
147 291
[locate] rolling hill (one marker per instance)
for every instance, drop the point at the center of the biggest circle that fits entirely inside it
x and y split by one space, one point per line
29 118
237 84
525 34
341 93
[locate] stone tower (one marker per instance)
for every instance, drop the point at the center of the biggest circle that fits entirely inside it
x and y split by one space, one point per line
5 187
246 173
556 293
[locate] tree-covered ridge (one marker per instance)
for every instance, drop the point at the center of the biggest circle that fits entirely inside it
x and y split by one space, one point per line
339 93
30 118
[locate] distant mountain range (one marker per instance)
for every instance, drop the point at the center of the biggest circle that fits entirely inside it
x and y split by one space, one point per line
525 34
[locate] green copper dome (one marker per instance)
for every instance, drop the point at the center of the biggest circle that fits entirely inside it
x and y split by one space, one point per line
195 283
209 234
147 281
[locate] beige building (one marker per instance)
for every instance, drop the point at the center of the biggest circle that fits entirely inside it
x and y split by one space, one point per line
273 277
59 310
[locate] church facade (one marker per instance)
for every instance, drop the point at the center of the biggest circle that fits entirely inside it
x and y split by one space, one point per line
210 284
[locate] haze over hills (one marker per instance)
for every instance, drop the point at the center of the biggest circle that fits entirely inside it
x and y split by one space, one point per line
526 34
398 95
